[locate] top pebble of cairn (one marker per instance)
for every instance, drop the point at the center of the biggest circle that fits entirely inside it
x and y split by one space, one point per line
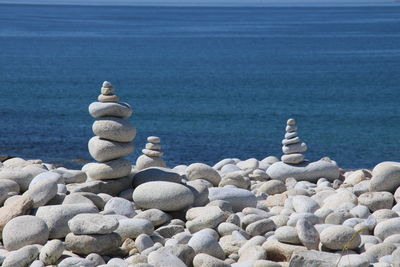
292 146
107 93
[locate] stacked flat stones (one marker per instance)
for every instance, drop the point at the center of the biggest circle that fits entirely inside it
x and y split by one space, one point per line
292 146
113 136
151 154
92 233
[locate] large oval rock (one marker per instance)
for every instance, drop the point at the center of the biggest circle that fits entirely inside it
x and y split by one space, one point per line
112 169
204 242
132 228
204 217
376 200
57 216
114 129
24 230
105 150
165 196
307 233
86 244
51 252
304 172
336 237
156 174
90 223
202 171
42 192
237 197
100 109
46 176
385 177
387 228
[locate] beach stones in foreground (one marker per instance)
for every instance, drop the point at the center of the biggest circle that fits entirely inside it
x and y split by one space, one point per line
24 230
161 195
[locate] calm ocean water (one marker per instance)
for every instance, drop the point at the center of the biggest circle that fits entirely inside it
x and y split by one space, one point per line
211 82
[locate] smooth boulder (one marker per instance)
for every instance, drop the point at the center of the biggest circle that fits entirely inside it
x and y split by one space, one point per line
165 196
24 230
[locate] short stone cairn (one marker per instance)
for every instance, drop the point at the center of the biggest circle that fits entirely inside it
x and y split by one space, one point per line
151 154
292 146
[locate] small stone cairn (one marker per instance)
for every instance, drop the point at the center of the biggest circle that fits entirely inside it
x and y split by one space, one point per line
292 146
113 136
151 154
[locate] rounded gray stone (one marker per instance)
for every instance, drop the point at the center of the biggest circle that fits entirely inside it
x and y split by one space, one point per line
376 200
112 169
202 171
114 129
387 228
51 252
90 223
76 262
21 257
336 237
204 242
307 234
105 150
86 244
121 206
155 216
24 230
161 259
239 198
165 196
132 228
156 174
42 192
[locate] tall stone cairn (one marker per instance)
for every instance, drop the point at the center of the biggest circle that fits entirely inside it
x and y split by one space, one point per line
113 136
292 147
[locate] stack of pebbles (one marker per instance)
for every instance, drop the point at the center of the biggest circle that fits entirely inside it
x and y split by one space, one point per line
92 233
151 154
292 146
113 137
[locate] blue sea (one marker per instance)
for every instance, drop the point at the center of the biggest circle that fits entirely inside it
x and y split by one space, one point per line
212 82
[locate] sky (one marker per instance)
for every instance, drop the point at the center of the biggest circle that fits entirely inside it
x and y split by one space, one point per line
206 2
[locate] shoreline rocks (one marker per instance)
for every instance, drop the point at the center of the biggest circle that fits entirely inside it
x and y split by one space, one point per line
237 213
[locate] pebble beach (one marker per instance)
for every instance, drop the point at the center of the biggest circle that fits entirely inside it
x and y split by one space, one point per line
267 212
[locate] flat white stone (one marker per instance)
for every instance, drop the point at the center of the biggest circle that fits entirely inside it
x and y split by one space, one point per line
305 171
100 109
114 129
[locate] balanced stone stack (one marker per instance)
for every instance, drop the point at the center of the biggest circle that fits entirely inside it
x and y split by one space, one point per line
151 154
92 233
292 146
113 137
